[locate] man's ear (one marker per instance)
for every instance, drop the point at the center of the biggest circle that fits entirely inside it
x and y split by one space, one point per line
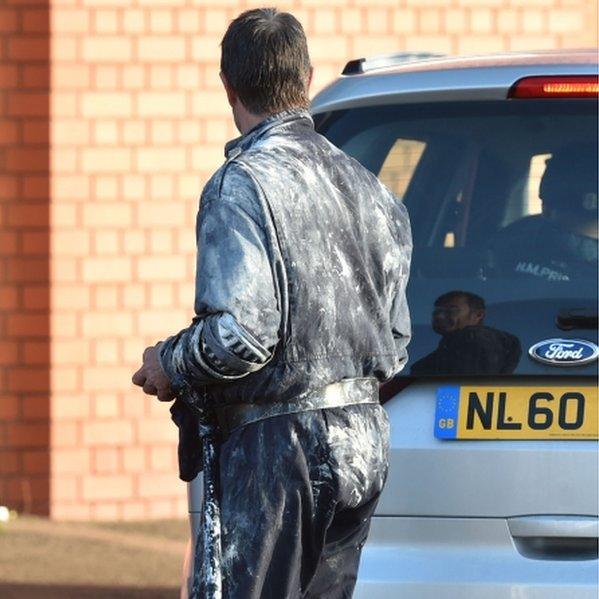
231 95
480 316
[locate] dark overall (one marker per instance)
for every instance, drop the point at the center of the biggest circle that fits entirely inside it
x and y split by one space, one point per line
303 260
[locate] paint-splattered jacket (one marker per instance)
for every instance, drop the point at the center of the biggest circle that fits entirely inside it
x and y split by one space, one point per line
303 259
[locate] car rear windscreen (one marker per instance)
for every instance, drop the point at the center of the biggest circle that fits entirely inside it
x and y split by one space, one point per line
503 203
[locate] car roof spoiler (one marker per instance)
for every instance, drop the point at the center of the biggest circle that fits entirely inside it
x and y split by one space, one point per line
364 65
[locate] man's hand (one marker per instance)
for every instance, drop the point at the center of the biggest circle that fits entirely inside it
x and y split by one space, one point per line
151 377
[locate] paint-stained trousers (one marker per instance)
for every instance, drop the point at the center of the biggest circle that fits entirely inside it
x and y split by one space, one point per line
297 495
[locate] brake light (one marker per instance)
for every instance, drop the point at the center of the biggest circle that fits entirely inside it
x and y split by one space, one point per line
585 86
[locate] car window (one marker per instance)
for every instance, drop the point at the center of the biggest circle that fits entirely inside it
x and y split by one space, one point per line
400 163
502 199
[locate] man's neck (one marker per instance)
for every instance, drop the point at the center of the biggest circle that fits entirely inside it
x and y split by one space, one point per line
246 120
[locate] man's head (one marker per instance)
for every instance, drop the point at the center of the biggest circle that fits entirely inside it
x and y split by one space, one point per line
457 309
264 62
568 187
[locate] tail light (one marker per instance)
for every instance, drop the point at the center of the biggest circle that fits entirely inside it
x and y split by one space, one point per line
584 86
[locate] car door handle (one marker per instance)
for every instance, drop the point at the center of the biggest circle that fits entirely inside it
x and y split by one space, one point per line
554 526
556 537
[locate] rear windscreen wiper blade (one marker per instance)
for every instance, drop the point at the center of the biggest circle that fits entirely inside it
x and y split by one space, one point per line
576 318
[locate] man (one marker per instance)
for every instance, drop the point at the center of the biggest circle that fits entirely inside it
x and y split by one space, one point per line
560 244
467 346
303 259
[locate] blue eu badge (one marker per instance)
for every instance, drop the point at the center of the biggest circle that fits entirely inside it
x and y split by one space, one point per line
446 415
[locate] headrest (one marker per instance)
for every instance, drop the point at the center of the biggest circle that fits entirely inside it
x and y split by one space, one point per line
570 179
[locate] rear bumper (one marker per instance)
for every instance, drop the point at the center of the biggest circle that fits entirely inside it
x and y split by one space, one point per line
463 558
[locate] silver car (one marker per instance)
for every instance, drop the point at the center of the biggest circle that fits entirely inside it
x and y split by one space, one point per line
492 490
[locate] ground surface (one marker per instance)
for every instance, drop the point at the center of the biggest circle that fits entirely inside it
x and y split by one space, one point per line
51 560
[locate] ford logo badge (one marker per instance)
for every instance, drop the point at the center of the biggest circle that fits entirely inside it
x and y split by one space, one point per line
564 352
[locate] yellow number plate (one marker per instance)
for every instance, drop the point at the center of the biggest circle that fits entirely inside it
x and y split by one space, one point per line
510 412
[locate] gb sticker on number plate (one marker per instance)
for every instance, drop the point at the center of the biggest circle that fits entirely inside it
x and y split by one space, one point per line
510 412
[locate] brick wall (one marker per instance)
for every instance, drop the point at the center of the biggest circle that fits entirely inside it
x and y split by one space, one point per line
137 123
24 256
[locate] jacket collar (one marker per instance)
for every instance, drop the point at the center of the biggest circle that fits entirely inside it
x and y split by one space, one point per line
285 117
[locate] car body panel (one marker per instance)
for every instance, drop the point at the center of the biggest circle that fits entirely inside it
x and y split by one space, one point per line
494 478
462 558
444 80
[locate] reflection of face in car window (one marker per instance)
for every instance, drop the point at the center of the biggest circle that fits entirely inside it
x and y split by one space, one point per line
453 312
467 346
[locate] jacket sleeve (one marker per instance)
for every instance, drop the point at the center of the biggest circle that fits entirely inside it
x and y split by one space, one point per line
237 316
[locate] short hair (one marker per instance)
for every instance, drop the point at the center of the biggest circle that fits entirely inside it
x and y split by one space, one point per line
475 302
264 57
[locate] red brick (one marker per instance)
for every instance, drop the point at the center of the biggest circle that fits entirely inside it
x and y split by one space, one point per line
37 77
36 21
8 243
9 461
9 352
36 187
28 435
9 21
9 407
28 270
9 186
9 132
35 407
27 159
29 48
28 379
28 215
36 352
28 325
35 243
8 297
36 462
26 489
36 132
36 297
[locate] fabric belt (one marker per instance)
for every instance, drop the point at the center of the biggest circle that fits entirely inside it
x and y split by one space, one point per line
344 393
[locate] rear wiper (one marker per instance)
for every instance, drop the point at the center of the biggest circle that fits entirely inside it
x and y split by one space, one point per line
576 318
